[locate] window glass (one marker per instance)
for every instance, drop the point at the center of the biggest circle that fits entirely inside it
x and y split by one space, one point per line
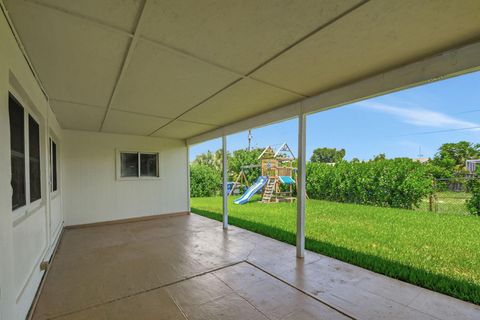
54 165
17 151
129 164
148 165
34 155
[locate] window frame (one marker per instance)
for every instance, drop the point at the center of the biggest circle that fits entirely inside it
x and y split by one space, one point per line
139 176
53 140
30 206
30 116
26 159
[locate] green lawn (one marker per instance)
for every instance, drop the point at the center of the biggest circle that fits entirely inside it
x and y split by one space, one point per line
433 250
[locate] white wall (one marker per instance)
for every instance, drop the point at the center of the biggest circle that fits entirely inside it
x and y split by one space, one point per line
92 191
29 239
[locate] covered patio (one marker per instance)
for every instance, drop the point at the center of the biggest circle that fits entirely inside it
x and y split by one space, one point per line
100 102
188 267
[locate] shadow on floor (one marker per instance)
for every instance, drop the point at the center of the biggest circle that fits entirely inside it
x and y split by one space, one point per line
453 287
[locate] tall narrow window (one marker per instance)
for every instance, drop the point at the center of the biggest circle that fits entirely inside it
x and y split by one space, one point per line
34 155
53 165
17 151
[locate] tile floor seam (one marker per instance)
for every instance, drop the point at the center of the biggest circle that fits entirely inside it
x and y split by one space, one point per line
243 298
215 299
408 305
178 306
428 314
145 291
303 291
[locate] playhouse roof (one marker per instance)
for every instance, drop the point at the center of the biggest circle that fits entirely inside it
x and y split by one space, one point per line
284 153
267 153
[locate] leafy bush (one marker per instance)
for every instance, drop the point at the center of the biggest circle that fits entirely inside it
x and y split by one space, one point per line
242 158
398 183
204 181
473 204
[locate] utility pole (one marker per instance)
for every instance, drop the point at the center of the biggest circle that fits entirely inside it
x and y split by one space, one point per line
249 139
420 155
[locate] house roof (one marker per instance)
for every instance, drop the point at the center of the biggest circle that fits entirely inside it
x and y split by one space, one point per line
179 69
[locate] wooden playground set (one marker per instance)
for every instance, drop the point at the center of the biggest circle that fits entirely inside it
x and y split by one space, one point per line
278 176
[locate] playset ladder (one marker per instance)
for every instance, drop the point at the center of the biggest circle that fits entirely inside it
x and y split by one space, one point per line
269 189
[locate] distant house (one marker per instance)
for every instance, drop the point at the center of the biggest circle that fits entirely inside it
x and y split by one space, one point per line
471 165
421 160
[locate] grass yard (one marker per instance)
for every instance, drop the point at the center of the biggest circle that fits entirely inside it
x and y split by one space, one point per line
433 250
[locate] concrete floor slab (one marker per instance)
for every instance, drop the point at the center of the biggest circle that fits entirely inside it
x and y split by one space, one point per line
188 267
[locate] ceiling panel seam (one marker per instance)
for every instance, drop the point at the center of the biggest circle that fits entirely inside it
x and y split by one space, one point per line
136 36
160 117
164 46
201 102
126 111
78 103
308 35
128 58
81 18
211 63
275 56
441 65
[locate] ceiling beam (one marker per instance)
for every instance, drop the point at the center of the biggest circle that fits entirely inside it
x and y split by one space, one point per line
128 58
446 64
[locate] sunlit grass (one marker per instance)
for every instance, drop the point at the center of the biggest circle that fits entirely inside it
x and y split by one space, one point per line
437 251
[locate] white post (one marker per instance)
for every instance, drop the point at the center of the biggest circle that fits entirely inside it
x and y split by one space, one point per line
224 184
188 179
301 180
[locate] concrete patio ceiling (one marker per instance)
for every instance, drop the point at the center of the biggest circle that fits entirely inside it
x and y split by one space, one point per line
178 69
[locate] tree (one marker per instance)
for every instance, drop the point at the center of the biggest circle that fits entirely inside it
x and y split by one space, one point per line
205 181
210 159
242 158
379 157
327 155
452 156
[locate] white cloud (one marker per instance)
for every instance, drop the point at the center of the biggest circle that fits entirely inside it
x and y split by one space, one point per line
420 117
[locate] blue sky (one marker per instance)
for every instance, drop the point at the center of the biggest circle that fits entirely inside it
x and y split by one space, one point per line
397 124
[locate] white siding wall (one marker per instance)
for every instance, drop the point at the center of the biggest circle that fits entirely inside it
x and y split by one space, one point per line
92 191
87 187
26 241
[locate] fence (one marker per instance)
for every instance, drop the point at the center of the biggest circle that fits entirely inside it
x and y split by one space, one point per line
450 196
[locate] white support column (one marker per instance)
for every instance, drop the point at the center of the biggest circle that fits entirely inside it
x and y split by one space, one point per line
225 180
301 180
188 179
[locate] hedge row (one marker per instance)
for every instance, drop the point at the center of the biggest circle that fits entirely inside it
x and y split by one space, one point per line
398 183
205 181
473 204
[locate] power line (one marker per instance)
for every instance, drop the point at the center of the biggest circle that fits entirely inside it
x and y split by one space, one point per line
468 111
438 131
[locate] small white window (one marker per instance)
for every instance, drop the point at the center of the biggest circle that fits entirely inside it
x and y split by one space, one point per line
134 165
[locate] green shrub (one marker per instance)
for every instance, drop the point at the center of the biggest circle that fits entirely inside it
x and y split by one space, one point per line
204 181
398 183
473 204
